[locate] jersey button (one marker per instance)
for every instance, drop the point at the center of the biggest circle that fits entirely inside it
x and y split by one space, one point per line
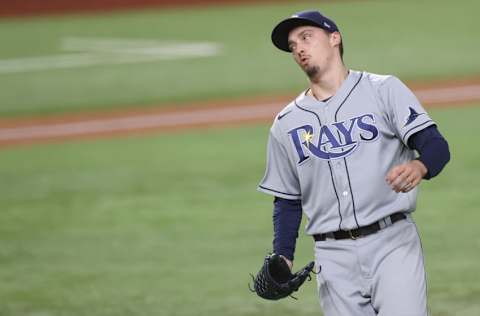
345 193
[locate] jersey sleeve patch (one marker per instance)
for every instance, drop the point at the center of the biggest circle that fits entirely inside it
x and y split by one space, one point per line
412 119
412 116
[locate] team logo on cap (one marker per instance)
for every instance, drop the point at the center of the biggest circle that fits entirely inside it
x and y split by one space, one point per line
334 141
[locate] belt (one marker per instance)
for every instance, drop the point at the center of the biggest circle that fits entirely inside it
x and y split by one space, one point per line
361 231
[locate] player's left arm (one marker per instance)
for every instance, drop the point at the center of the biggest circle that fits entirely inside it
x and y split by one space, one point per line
414 127
434 155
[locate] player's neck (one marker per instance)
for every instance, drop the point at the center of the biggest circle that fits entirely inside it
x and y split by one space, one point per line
327 84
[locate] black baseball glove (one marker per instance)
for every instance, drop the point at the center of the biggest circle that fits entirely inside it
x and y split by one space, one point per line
275 281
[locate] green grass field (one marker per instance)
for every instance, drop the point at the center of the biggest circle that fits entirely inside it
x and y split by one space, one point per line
173 225
413 39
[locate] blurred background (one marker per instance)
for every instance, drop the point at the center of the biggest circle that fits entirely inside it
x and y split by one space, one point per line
169 222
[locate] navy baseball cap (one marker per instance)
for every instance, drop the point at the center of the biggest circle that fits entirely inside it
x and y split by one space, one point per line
312 18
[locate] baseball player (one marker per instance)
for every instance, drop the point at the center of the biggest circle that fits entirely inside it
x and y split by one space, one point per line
350 152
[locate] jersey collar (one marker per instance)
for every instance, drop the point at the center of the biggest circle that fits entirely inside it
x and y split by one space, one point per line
307 102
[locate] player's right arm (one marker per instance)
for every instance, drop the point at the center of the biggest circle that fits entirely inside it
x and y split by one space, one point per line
280 177
281 181
287 216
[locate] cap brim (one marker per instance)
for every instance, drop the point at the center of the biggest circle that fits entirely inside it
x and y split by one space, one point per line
281 31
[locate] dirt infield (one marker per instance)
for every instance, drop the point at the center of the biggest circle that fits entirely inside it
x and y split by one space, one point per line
202 115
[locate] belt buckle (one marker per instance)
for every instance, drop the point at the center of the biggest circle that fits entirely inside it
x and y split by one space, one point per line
352 236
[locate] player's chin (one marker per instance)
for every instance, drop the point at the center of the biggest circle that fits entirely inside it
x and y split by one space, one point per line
312 71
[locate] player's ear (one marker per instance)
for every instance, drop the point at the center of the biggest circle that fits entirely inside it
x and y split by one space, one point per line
335 38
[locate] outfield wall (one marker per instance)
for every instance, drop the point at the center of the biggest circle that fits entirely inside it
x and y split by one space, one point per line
13 8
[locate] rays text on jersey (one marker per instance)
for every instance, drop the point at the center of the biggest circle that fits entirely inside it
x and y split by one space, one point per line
335 140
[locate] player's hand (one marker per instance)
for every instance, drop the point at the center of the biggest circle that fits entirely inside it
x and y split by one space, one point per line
289 263
405 177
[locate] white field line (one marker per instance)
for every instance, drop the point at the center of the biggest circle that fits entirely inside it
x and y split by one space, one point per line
104 44
186 118
91 52
140 47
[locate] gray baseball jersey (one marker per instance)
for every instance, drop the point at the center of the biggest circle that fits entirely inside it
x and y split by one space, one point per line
335 155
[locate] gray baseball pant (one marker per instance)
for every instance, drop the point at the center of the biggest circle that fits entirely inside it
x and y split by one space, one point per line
380 274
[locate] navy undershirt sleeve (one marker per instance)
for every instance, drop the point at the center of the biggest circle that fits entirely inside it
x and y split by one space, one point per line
433 150
287 216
